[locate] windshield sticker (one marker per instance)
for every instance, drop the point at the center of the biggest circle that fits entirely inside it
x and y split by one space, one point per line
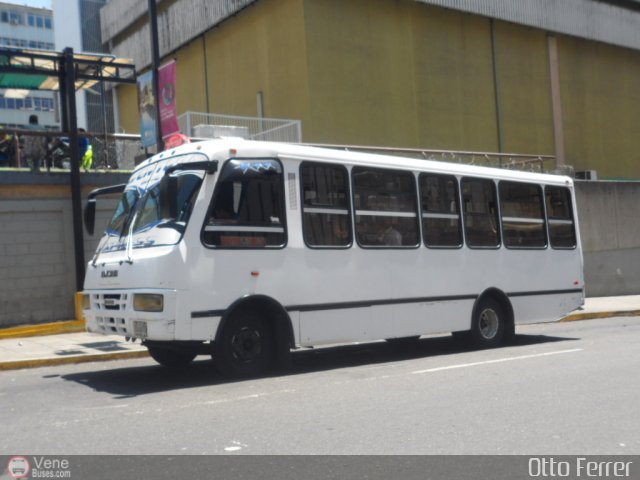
122 245
258 167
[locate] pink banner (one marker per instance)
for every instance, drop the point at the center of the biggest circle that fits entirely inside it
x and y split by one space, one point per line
167 92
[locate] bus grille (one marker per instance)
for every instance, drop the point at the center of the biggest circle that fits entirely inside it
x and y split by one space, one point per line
112 325
110 312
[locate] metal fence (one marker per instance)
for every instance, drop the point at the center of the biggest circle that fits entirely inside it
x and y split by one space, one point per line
255 128
49 150
124 152
513 161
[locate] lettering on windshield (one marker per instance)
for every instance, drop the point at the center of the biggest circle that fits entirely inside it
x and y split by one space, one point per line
258 167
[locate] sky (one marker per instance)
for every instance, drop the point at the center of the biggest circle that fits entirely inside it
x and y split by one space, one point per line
31 3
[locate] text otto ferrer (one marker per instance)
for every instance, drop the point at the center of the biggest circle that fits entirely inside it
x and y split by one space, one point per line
580 467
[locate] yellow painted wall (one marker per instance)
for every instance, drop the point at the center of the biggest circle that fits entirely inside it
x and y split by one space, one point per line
128 109
260 50
524 89
360 89
402 73
600 86
190 77
454 80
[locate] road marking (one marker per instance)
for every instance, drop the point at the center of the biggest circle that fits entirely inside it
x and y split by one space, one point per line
235 399
237 446
498 360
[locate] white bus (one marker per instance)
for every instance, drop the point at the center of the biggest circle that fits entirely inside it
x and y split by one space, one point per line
245 250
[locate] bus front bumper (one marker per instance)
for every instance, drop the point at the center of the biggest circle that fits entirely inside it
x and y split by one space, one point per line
119 312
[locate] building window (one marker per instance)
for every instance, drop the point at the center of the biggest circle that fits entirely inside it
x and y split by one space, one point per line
16 18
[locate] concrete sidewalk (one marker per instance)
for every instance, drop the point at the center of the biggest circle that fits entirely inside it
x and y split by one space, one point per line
66 342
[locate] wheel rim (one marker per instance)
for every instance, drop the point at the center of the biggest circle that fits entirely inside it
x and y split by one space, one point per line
489 323
246 345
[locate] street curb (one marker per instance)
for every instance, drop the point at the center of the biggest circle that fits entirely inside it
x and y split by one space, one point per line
595 315
55 328
53 361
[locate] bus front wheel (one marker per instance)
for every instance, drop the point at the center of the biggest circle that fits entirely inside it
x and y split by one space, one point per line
171 357
489 324
245 347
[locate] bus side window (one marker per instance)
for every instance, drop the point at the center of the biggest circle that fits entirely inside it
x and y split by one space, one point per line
562 230
440 210
326 219
247 209
522 215
386 208
480 213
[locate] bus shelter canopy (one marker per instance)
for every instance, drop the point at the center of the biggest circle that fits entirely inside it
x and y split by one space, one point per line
41 70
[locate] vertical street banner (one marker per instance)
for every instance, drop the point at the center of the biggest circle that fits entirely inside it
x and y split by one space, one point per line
167 92
147 107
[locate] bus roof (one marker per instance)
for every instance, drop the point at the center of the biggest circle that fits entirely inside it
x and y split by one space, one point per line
225 148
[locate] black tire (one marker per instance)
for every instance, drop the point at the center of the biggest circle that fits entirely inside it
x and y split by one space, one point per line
489 324
246 346
171 357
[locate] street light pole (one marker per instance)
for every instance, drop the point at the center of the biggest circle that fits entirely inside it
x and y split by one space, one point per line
68 92
155 64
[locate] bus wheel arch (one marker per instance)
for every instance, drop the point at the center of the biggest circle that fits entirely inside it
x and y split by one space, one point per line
492 319
264 327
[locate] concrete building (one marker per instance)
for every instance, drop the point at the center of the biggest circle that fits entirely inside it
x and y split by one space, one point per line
82 33
27 28
527 76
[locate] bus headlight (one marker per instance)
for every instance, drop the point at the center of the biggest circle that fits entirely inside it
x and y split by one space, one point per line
148 302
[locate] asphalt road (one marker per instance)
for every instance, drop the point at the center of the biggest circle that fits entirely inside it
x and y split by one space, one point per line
565 388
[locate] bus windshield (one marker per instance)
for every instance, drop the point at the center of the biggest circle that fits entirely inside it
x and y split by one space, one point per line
144 215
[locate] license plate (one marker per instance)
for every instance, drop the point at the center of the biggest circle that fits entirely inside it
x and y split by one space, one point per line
139 329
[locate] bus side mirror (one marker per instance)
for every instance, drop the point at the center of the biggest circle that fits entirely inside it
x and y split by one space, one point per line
168 194
90 216
90 209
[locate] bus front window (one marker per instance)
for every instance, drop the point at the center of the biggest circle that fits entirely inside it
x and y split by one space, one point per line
121 217
151 217
141 215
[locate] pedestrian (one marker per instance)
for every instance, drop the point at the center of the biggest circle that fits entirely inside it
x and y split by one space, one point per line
34 148
85 151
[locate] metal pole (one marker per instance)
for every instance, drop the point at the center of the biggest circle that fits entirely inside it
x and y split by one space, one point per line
155 64
105 147
556 100
64 106
498 92
76 200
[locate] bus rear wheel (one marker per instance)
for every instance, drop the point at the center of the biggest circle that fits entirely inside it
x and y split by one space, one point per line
489 324
171 357
245 347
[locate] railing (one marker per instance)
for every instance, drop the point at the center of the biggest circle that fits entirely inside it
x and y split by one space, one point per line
49 150
257 128
515 161
124 152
